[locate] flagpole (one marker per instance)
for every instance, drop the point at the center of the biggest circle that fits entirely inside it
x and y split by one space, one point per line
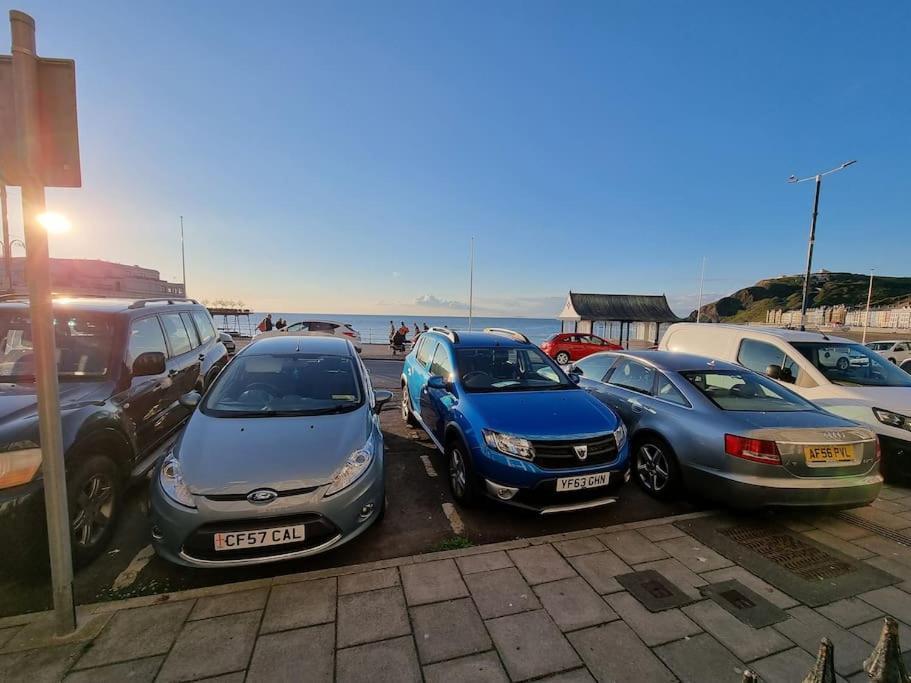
470 282
183 258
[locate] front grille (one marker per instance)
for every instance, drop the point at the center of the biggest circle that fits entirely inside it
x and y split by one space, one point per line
243 496
201 543
561 454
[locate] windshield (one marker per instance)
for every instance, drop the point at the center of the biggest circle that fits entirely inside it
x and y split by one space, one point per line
508 369
286 385
83 341
852 364
746 391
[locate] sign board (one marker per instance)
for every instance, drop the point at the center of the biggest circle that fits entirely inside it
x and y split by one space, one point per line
58 163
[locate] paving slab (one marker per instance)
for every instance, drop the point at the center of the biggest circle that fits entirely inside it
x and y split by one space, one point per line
884 519
574 676
878 545
6 634
295 605
612 652
890 600
674 571
841 529
745 642
485 562
38 666
136 633
432 582
444 630
849 612
632 547
135 671
579 546
654 628
807 627
872 630
847 547
368 581
893 507
372 615
661 532
42 631
693 554
753 582
210 647
230 603
236 677
600 570
501 592
790 665
540 564
388 661
284 656
700 659
572 604
531 645
482 668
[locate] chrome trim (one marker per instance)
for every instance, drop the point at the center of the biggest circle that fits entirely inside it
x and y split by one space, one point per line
258 560
570 507
824 443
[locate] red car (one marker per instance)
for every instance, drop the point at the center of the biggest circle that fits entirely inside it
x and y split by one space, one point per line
566 347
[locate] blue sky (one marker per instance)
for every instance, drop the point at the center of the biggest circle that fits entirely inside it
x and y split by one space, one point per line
338 156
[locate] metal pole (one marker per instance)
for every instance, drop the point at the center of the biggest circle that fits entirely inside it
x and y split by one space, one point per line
470 283
25 96
869 299
7 252
183 259
806 281
701 285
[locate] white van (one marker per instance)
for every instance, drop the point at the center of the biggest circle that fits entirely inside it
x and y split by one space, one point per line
842 376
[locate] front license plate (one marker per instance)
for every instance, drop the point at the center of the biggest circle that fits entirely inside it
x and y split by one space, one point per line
829 455
236 540
587 481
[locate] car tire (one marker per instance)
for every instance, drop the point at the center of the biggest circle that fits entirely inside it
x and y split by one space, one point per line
655 468
407 416
842 364
94 489
562 358
460 474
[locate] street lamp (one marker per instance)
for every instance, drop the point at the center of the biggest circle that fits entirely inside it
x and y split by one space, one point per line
818 178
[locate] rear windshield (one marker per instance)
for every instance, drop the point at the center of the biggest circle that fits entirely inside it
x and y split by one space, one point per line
746 391
84 342
268 385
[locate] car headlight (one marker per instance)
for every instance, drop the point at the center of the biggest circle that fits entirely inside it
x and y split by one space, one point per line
620 436
508 444
172 482
19 467
354 467
887 417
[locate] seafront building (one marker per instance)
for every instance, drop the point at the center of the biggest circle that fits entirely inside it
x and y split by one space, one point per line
882 318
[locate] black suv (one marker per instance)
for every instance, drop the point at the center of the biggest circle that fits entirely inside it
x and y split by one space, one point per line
123 366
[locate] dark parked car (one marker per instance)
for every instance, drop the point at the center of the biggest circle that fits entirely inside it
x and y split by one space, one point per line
228 341
122 366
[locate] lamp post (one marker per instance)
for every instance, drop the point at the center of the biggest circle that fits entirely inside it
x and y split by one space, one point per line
867 316
818 178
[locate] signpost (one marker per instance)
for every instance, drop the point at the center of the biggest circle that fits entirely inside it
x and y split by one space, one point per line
39 147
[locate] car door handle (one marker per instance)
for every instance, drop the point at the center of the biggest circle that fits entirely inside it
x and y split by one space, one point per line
172 372
202 356
636 406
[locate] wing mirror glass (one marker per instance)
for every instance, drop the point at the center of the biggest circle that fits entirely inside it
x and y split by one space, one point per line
380 398
190 400
149 363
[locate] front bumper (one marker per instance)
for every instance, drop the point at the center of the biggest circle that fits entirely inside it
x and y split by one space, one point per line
185 536
896 458
23 522
544 499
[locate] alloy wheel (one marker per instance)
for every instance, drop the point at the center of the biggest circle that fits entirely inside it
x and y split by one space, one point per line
405 403
94 509
458 477
562 358
653 467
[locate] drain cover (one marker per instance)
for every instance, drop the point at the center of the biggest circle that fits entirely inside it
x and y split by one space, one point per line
751 608
788 551
653 590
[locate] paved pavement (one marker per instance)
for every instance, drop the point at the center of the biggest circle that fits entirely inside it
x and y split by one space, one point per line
556 608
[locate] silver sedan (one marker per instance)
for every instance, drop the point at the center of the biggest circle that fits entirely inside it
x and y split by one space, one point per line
282 458
730 434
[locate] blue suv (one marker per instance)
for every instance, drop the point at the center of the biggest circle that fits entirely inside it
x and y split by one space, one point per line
512 425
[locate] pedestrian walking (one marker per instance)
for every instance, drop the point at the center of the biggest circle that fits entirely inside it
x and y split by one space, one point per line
391 331
266 324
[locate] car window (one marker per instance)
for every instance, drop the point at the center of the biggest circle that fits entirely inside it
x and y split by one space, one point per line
145 336
667 391
441 364
204 325
297 327
596 366
191 329
317 326
746 391
851 364
758 356
632 375
900 347
178 339
426 347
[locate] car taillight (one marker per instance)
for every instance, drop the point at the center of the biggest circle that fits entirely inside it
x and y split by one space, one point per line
756 450
350 334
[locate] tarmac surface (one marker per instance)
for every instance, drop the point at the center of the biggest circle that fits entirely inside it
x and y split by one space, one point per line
420 517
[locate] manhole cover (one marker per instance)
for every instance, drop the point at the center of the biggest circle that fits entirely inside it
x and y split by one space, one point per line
807 561
748 606
653 590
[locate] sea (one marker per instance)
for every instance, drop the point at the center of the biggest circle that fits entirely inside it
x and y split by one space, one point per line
374 329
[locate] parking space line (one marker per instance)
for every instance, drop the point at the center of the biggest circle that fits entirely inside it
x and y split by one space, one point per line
428 466
458 526
129 575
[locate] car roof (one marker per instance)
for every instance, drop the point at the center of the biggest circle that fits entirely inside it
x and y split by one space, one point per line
103 304
299 344
675 361
780 332
480 339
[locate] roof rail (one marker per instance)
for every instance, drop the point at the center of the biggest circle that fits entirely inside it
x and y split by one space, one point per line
140 303
445 331
518 336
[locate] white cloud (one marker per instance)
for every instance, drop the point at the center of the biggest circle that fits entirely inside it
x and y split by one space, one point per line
431 301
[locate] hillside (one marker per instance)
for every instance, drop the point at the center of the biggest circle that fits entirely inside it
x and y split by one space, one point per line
750 304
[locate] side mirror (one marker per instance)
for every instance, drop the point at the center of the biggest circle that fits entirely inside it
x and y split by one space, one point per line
437 382
773 371
380 398
574 377
149 363
190 400
574 370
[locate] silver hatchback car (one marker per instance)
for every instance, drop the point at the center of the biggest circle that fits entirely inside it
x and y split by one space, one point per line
282 458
